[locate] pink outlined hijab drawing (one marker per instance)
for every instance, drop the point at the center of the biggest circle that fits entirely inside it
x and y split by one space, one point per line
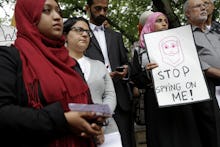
171 51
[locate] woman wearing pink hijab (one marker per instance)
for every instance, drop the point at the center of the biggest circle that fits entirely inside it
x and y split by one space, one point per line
165 127
156 21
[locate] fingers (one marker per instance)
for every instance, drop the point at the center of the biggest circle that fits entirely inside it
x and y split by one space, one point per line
151 66
112 74
121 74
102 118
96 127
99 139
80 123
125 67
91 130
88 115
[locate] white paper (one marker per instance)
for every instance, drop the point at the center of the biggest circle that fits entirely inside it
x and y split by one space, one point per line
112 140
100 109
179 78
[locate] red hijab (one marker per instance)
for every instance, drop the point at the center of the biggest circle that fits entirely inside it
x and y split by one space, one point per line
45 61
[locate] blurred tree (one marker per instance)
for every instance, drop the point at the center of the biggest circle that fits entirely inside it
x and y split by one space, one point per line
6 11
123 14
165 6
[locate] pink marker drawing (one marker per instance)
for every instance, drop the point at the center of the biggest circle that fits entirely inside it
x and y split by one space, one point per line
171 51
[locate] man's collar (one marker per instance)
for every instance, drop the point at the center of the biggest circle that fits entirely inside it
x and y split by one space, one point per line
194 28
93 26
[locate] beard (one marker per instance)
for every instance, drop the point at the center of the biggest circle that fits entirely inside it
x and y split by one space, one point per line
98 19
203 16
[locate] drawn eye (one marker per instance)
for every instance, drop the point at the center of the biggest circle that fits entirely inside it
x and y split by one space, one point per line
173 46
166 46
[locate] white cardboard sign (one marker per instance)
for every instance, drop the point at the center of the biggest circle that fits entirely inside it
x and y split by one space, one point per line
179 78
7 35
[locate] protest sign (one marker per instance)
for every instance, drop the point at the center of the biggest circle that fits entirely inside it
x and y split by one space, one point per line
7 35
179 78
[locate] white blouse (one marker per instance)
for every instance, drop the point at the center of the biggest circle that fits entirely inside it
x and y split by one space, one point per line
85 67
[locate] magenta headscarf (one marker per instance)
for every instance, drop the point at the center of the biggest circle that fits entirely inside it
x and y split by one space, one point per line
148 27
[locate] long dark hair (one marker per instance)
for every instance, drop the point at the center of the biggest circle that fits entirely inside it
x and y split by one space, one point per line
89 2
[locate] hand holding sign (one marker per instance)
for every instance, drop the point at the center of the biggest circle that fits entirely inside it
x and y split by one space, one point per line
151 66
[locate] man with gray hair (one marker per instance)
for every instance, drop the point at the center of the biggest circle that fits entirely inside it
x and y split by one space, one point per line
195 12
208 47
210 23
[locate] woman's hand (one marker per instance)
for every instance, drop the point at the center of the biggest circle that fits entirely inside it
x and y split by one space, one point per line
83 123
151 66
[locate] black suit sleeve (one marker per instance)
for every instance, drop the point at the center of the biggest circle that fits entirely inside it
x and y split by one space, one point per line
123 50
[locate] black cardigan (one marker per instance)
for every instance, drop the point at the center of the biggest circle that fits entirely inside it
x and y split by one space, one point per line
21 125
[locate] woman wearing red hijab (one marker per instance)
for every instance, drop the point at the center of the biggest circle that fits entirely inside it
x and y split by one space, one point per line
37 81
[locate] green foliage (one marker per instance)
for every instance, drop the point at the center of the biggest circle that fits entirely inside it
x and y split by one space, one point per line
124 14
72 7
6 11
217 10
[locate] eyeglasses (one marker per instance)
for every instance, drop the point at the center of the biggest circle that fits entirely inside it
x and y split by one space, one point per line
80 31
99 8
207 3
200 5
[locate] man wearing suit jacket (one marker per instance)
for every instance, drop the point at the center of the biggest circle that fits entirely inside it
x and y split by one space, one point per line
107 46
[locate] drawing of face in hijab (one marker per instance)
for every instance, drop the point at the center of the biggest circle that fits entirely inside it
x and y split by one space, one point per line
171 51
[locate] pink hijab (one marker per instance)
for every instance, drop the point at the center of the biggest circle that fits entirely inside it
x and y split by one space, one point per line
148 27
